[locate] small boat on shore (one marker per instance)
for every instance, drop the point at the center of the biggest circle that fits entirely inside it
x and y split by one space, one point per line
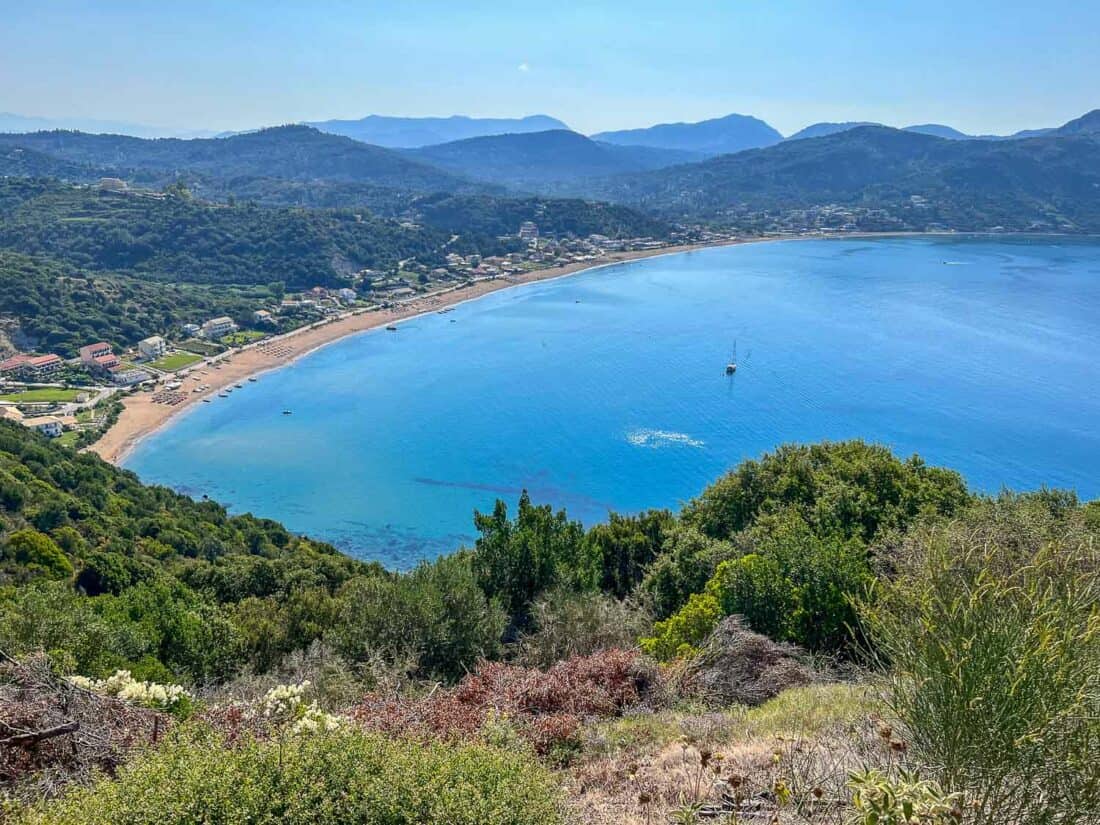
239 386
223 395
252 379
391 328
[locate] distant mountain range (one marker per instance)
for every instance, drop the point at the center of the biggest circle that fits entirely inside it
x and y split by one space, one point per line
1083 125
716 136
22 123
732 133
1052 180
525 160
412 132
295 153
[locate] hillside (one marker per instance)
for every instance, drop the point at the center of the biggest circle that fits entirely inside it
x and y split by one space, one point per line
288 152
176 238
1087 124
823 129
411 132
482 217
215 666
543 157
732 133
1020 184
47 306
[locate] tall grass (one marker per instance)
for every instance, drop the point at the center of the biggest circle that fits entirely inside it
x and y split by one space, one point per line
990 631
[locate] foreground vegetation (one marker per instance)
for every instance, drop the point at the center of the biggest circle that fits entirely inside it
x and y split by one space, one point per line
909 644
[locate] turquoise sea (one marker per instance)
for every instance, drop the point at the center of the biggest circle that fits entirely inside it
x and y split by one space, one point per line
606 390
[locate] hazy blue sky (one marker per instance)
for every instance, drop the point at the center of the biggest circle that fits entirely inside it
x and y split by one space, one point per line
980 66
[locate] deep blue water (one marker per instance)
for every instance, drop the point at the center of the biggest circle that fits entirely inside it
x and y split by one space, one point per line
607 389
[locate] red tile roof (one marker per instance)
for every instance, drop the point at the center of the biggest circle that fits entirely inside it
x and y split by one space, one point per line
14 362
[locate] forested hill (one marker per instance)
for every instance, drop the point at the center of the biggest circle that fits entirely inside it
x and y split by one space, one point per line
484 216
287 152
540 158
48 306
174 237
1046 182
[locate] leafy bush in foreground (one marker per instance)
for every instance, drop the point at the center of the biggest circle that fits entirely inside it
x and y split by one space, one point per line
323 779
991 632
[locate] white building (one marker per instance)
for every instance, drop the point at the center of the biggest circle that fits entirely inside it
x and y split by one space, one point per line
528 231
191 329
48 425
218 327
346 294
152 347
127 378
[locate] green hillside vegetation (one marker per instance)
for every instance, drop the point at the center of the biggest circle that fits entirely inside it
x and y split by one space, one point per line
290 152
49 306
177 238
122 564
484 217
523 160
868 560
968 184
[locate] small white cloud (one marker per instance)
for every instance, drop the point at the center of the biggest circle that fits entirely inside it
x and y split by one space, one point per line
523 67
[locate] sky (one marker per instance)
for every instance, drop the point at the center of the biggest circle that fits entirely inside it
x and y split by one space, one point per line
983 67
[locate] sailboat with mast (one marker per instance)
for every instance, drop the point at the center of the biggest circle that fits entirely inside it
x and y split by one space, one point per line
731 367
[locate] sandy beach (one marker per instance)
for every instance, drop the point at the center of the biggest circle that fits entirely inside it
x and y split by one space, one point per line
142 415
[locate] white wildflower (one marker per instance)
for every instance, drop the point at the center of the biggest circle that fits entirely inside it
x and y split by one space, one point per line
122 685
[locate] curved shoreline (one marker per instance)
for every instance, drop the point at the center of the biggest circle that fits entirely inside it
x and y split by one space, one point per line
141 416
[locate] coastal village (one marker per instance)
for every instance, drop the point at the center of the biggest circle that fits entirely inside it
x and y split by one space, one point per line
77 398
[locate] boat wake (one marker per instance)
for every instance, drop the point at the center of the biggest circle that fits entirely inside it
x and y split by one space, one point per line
655 439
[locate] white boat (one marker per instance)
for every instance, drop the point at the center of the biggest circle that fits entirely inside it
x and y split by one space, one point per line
731 367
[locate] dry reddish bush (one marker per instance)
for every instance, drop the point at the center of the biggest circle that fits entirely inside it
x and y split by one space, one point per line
546 707
53 733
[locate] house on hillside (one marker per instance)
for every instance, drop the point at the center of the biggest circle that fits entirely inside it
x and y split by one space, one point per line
219 327
43 366
89 353
346 294
15 364
264 318
152 348
48 425
106 363
528 231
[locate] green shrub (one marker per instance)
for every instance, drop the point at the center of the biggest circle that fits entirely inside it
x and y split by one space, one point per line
566 623
436 616
687 561
682 633
317 779
794 587
38 553
755 587
515 561
905 799
991 631
847 488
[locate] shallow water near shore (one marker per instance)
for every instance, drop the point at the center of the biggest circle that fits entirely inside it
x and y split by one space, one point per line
606 390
